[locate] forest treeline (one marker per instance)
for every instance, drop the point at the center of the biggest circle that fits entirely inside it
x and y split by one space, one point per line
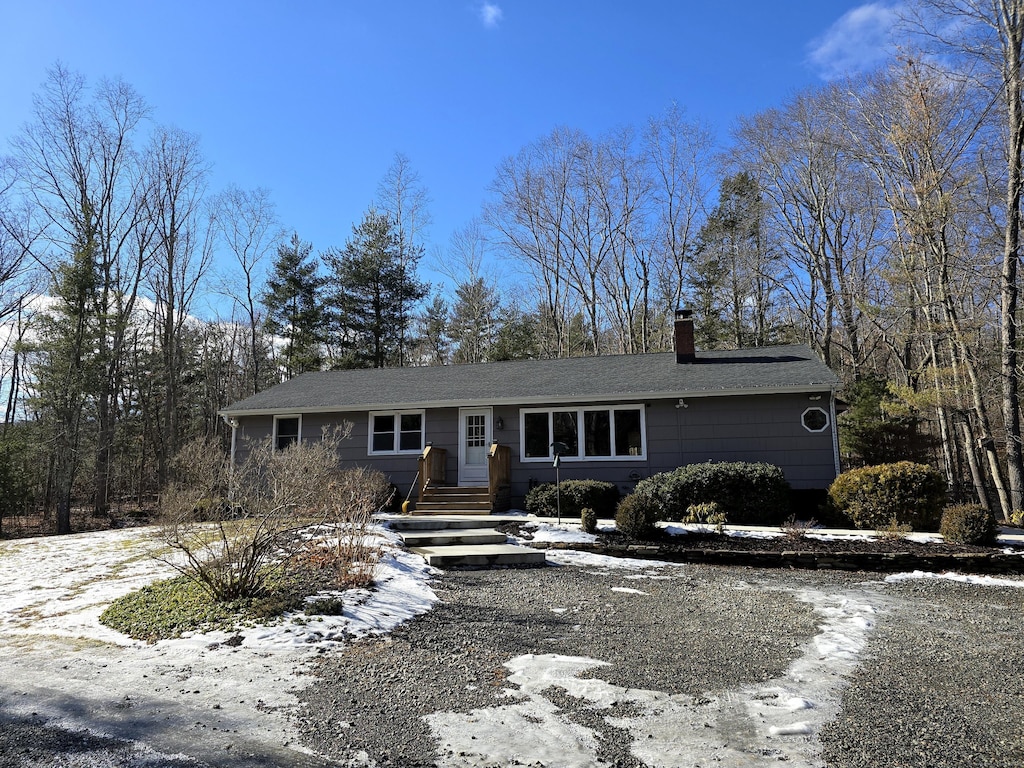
876 219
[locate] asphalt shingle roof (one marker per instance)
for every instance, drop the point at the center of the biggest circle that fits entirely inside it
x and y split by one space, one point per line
578 379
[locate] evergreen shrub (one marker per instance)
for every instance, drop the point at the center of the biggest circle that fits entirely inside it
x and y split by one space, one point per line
902 493
636 516
747 493
588 520
708 513
967 524
575 496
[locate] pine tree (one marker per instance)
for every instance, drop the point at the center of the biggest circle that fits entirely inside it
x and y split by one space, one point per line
474 326
295 310
374 287
516 338
68 371
433 342
735 267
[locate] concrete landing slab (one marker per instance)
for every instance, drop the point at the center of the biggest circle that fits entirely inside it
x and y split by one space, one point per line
453 537
438 522
483 556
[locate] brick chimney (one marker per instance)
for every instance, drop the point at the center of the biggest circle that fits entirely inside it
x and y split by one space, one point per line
685 352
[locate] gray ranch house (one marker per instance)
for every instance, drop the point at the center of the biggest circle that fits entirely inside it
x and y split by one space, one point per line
477 437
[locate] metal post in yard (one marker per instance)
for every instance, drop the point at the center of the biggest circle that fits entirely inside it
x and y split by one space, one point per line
558 448
558 489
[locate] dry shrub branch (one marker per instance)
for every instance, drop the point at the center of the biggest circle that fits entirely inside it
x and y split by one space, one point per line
235 530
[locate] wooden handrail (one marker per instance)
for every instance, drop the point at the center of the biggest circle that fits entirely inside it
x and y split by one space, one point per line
433 464
499 476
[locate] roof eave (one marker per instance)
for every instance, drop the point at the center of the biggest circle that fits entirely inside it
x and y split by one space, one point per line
534 400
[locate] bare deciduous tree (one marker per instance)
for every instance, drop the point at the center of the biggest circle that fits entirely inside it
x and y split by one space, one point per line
182 257
986 39
247 224
404 198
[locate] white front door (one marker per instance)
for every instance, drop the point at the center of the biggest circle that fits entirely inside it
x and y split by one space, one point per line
474 440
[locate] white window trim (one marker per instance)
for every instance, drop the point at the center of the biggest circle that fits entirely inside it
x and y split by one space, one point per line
828 421
279 417
397 432
580 432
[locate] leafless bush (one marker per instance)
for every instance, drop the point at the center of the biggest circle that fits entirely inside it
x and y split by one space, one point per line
795 529
348 548
264 502
894 531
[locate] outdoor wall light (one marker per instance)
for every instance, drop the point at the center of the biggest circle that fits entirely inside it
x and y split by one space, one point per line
499 424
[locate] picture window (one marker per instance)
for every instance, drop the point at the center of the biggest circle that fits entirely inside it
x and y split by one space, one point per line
586 433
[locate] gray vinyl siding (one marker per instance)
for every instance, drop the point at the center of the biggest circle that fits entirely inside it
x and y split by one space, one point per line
732 428
755 428
441 429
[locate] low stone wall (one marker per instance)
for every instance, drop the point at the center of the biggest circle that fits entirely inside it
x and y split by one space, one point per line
887 562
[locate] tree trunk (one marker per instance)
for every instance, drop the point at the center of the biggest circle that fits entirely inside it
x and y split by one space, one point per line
972 461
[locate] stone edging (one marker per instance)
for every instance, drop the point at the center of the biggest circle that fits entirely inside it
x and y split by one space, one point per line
888 562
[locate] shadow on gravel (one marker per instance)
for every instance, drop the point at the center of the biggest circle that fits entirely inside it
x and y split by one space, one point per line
131 729
29 740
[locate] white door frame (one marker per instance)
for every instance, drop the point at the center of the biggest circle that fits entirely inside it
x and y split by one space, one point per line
471 474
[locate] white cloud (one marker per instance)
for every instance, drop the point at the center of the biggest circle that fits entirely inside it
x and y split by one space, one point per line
860 39
491 15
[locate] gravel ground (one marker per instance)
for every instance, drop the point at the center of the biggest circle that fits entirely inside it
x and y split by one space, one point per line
941 686
702 630
938 684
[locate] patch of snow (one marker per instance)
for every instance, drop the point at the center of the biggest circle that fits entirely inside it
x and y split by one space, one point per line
629 591
964 578
552 532
924 538
752 534
841 536
728 729
681 529
54 650
606 563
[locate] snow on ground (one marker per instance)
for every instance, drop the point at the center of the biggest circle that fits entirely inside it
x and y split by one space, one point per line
964 578
603 564
562 533
776 720
60 662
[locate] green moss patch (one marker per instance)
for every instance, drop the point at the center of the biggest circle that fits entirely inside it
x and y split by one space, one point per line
172 607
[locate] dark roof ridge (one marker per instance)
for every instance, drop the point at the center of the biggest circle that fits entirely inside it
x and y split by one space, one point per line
789 367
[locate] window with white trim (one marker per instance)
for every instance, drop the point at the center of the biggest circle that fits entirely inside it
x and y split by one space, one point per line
815 420
396 432
587 433
287 431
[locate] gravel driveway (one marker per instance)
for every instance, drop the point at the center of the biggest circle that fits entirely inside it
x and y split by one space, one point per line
938 683
658 665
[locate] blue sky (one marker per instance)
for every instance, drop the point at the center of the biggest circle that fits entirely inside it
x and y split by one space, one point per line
311 100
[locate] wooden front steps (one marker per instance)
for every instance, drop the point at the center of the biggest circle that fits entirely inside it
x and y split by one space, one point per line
460 542
454 500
